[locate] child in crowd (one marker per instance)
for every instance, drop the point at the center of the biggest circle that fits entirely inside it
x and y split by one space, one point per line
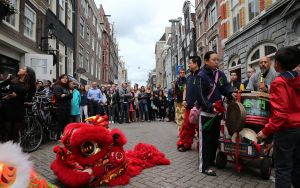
284 122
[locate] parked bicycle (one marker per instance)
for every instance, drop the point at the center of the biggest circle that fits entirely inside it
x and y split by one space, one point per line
39 123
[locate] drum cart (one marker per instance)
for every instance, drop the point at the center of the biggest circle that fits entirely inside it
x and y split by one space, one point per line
238 115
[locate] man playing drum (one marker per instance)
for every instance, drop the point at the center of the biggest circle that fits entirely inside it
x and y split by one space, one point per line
261 80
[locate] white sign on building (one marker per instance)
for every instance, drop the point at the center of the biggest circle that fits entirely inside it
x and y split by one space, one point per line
42 65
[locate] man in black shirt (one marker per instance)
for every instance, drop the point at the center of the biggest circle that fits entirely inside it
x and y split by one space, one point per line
187 131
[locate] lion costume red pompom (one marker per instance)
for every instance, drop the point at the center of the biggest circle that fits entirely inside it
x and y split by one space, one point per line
93 155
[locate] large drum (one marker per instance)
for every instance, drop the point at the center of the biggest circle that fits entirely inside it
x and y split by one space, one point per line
257 107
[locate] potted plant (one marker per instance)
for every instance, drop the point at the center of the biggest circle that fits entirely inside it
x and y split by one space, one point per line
6 9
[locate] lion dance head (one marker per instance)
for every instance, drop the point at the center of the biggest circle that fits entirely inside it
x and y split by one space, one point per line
93 155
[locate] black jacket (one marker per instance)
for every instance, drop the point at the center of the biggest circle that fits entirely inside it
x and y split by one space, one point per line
206 80
60 101
192 88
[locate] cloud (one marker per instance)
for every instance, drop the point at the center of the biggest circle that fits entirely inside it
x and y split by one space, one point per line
138 25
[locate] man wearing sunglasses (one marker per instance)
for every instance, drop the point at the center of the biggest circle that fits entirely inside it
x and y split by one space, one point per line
261 80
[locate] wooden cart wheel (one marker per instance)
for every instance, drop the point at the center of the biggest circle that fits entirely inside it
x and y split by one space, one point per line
221 160
266 168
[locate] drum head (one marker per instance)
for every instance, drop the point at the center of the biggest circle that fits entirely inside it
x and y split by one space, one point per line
235 117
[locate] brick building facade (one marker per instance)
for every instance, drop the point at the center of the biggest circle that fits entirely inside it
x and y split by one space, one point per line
259 28
20 34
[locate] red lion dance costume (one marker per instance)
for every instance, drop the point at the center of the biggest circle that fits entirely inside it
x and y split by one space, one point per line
93 155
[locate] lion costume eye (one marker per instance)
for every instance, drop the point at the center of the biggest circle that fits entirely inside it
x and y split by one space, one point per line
90 148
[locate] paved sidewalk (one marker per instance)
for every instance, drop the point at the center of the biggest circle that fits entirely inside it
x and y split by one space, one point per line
182 172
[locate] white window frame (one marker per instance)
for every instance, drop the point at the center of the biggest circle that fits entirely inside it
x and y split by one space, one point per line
94 19
96 49
261 48
16 17
62 58
99 71
52 6
92 65
33 37
211 44
233 9
86 9
212 14
62 11
93 42
256 2
70 16
69 61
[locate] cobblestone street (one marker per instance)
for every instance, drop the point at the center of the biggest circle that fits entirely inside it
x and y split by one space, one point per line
182 172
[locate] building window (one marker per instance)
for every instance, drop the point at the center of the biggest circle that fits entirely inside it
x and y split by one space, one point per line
70 16
235 16
96 48
62 16
235 66
297 27
81 56
87 62
94 20
93 42
90 12
52 6
70 61
86 9
212 15
213 44
253 8
266 49
99 71
96 73
62 53
81 27
29 23
92 66
88 35
13 20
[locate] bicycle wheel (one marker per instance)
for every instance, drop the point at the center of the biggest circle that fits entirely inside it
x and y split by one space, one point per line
32 135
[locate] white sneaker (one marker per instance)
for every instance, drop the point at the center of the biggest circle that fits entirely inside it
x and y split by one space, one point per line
112 122
109 122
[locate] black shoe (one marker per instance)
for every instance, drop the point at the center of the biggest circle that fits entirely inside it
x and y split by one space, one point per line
209 172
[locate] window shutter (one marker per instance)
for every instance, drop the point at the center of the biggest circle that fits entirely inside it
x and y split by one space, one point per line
261 5
242 17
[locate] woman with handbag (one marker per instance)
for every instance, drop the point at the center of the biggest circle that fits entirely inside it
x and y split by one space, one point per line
213 85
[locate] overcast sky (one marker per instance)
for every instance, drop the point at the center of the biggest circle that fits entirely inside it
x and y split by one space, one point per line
139 24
